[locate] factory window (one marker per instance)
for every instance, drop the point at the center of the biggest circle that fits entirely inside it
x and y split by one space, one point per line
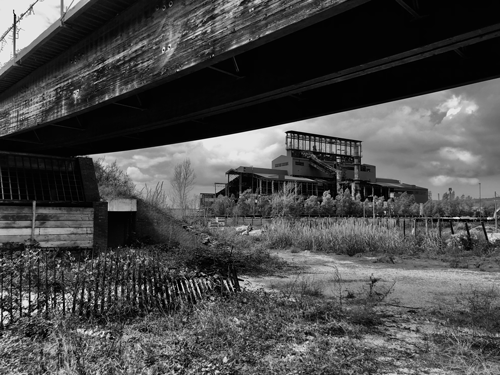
280 165
299 163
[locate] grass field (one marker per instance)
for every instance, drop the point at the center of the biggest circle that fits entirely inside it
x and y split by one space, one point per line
295 330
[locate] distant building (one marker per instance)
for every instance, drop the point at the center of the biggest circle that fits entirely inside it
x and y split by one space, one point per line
313 164
207 199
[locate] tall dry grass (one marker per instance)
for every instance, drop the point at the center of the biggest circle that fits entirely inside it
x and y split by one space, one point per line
347 236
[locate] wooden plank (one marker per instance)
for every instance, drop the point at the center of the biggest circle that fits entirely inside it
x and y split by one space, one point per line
149 44
64 224
45 217
86 244
39 231
15 224
66 210
64 237
46 210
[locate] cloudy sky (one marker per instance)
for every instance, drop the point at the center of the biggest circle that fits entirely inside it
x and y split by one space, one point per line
441 140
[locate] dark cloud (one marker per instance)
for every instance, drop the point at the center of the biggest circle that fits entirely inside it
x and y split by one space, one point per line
436 116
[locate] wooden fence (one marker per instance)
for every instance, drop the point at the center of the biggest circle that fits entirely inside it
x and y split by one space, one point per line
408 225
50 226
41 281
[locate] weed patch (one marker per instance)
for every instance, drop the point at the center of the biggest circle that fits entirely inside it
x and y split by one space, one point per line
251 333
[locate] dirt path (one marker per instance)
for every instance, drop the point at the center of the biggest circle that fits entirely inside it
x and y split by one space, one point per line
417 282
402 334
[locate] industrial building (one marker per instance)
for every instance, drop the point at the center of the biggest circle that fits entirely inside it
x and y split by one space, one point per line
313 164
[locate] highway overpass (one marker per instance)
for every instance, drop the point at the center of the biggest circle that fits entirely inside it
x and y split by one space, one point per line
125 74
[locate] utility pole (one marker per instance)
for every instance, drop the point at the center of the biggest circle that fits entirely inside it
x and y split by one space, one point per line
496 216
480 206
14 32
373 202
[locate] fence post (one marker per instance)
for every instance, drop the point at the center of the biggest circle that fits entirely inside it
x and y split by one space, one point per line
451 227
485 234
468 234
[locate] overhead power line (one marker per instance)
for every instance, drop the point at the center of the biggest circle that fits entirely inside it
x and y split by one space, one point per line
28 12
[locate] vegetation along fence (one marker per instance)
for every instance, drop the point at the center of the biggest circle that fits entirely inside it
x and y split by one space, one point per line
407 225
43 281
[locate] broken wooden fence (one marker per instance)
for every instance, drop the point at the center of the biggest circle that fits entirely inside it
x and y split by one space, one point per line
41 281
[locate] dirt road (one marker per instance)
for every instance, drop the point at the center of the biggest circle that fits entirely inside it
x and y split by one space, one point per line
416 282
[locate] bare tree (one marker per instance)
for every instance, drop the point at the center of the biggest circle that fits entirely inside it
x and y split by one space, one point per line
183 184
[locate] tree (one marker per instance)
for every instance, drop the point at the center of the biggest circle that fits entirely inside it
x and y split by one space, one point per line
182 184
222 206
286 203
311 205
345 204
264 205
244 205
112 181
328 205
403 204
450 205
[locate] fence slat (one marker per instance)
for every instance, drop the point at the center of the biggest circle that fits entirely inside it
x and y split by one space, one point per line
97 279
87 289
82 296
63 291
54 283
29 282
127 279
122 280
20 286
134 300
103 297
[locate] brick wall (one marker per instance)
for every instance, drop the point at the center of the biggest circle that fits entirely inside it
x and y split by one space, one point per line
90 189
101 225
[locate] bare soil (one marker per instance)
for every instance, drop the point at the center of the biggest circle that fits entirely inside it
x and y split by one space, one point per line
409 289
418 283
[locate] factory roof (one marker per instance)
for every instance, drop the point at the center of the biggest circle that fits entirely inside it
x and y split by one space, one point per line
398 185
287 178
321 136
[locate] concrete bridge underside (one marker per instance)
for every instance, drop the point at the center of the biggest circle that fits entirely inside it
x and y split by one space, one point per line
163 72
